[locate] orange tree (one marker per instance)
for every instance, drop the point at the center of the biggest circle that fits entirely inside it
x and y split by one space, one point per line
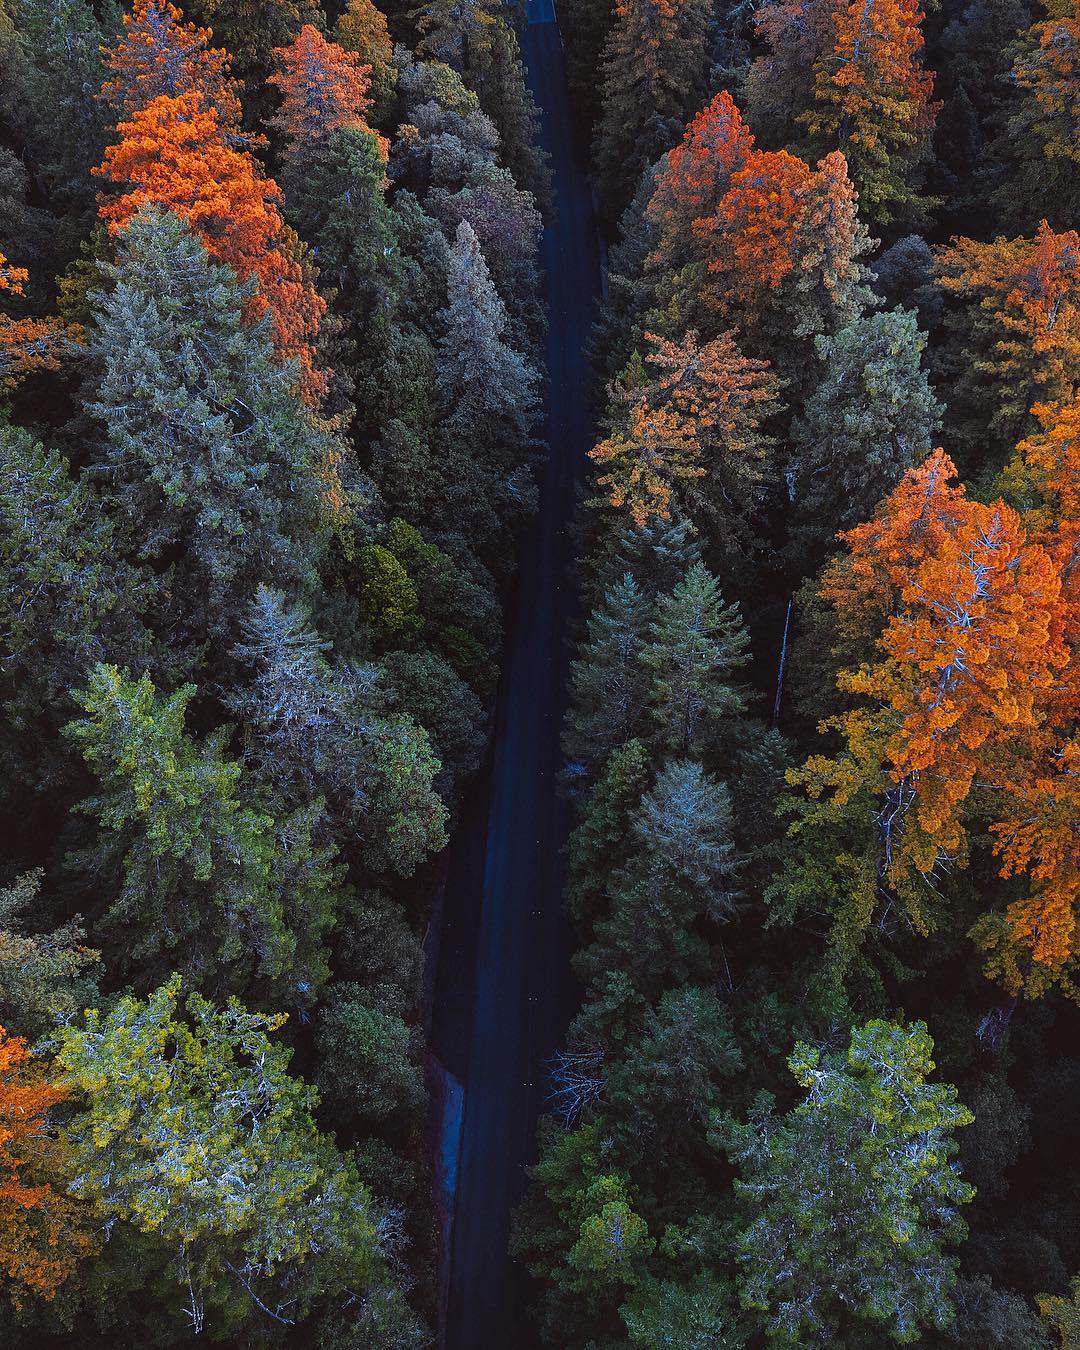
175 153
40 1237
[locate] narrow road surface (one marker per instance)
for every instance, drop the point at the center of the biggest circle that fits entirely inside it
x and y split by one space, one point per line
503 979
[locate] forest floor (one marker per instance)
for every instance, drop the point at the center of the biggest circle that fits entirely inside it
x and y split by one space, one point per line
503 994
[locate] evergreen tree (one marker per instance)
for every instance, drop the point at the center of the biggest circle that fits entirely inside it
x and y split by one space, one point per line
653 68
696 642
361 28
212 466
205 872
607 681
870 419
487 391
191 1130
851 1196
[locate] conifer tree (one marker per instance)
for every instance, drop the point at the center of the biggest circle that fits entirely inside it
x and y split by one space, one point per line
852 1200
870 419
362 29
1016 332
607 681
175 154
215 469
1040 141
653 69
205 874
190 1130
696 643
486 388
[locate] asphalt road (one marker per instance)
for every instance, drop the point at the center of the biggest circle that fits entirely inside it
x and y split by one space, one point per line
503 984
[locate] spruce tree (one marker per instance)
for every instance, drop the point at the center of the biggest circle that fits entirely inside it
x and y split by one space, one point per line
696 643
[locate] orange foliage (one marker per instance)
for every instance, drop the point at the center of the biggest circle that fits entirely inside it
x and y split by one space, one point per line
159 53
696 418
697 174
1029 291
40 1241
174 153
976 689
25 344
324 88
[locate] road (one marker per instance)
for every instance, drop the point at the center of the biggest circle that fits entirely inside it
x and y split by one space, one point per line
503 987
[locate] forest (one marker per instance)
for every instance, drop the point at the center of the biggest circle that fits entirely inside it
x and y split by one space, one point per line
671 698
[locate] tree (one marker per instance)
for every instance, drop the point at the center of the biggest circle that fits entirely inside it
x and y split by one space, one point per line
695 421
250 32
26 344
871 418
852 1199
653 68
46 977
368 1067
41 1230
871 100
696 642
175 154
362 29
1039 141
319 731
157 54
324 90
67 599
962 695
189 1128
608 683
1061 1314
205 869
487 390
1018 331
218 475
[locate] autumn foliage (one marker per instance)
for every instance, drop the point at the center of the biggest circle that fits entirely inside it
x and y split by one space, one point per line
40 1241
26 344
323 89
970 694
159 53
176 153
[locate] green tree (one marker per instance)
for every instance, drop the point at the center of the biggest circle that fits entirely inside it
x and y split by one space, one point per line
653 71
204 870
608 682
320 731
852 1199
212 464
368 1065
66 601
361 28
872 417
190 1129
696 642
487 390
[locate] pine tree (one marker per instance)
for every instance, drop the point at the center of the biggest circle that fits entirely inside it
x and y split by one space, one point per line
362 29
487 391
205 873
1040 141
870 419
1016 332
320 732
158 53
871 100
175 154
191 1130
696 643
